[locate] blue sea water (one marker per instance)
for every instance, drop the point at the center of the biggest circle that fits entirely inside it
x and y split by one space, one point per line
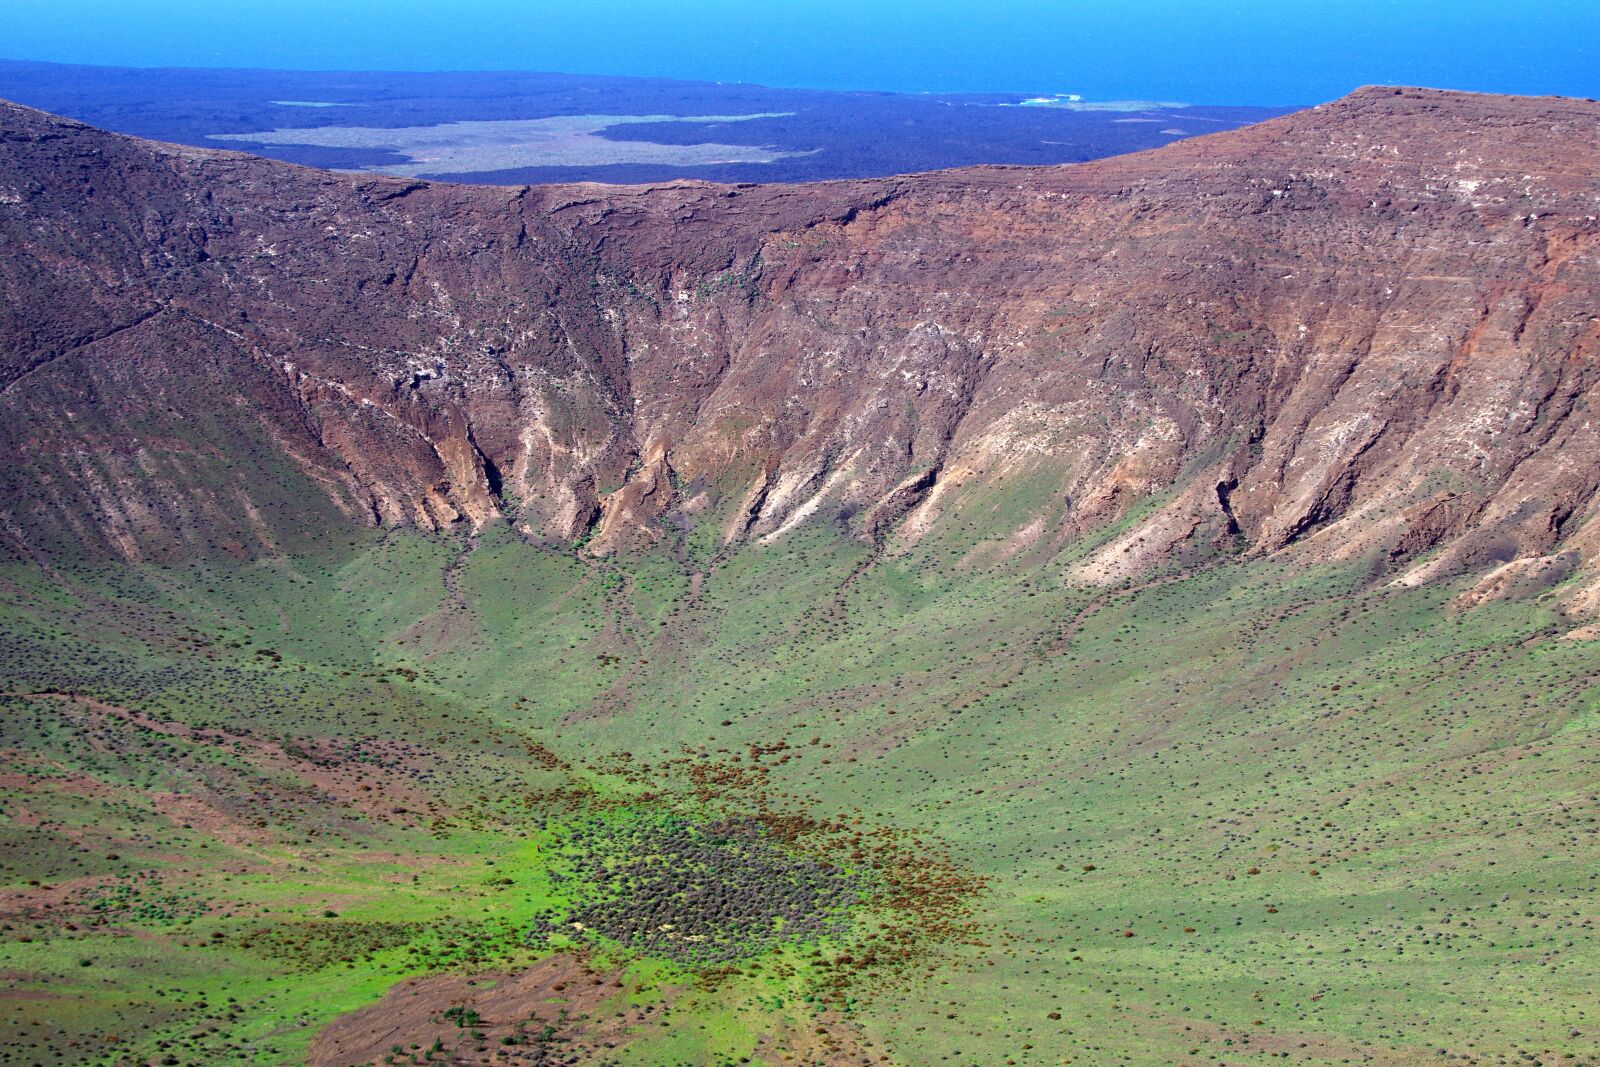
1200 51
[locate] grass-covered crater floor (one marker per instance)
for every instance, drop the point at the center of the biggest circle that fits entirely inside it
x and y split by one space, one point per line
807 802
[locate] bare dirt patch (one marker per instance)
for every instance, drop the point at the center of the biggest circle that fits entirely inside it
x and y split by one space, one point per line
551 1011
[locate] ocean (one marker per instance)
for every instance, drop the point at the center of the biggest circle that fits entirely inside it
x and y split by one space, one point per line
1199 51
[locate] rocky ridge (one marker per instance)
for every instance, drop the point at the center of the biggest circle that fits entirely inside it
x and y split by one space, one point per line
1367 329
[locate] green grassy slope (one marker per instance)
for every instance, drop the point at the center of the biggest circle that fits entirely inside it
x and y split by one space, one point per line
1241 814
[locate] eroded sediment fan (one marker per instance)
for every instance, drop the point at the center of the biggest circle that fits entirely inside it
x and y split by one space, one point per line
1370 327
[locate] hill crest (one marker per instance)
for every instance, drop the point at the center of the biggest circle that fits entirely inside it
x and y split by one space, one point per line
1366 329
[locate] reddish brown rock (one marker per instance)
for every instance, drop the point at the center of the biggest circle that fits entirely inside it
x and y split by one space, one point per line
1365 329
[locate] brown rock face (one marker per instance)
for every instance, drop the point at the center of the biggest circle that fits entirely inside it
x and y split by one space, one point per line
1368 328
